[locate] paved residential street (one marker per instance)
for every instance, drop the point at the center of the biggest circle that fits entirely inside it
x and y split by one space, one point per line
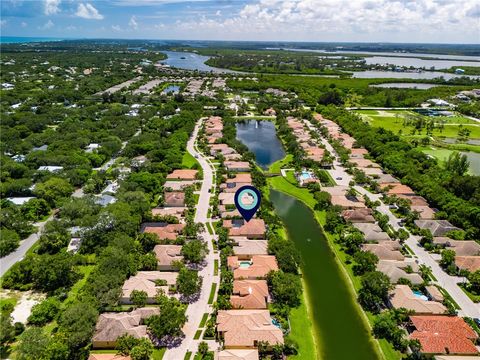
449 283
196 310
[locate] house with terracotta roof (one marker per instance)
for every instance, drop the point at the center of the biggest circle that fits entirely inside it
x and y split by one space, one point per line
223 149
249 294
167 255
237 354
372 232
439 334
315 153
246 328
150 282
358 153
110 326
363 215
434 293
400 269
163 230
364 163
245 248
384 179
403 297
182 174
226 198
469 263
257 267
436 227
174 199
111 356
397 189
253 229
237 166
346 202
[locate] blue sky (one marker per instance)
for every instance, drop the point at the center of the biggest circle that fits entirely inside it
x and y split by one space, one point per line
438 21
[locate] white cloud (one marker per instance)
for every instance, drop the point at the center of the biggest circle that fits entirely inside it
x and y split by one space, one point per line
48 25
87 11
116 28
342 20
52 7
133 23
71 28
23 24
3 23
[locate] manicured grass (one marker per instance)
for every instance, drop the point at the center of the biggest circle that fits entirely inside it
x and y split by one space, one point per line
473 297
196 197
209 228
212 293
290 176
158 353
188 355
281 184
215 267
301 332
277 165
188 161
204 320
197 335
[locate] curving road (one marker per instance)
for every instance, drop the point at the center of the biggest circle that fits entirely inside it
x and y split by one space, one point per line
196 310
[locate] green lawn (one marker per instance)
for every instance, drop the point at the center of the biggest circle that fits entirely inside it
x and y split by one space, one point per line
188 161
197 335
72 294
209 228
277 165
215 267
299 323
473 297
212 293
158 353
281 184
188 355
204 320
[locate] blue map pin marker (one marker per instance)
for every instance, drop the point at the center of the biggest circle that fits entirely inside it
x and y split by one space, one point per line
247 201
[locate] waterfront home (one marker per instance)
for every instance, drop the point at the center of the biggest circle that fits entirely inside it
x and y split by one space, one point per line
403 297
345 202
237 354
363 215
110 326
237 166
163 230
315 153
469 263
178 185
436 227
245 248
174 199
167 255
253 229
461 247
364 163
182 174
372 232
246 328
439 334
177 212
396 270
384 251
249 294
223 149
150 282
257 267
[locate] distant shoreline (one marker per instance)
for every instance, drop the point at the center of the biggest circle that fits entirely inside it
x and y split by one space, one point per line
26 39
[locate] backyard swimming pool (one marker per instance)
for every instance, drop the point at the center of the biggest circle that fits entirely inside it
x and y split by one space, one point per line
420 295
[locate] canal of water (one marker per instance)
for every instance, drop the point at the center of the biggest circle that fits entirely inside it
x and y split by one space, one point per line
339 330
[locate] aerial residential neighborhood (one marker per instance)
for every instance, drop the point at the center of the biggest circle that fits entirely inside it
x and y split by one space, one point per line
284 180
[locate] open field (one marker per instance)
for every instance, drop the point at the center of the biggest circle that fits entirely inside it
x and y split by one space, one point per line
397 121
442 155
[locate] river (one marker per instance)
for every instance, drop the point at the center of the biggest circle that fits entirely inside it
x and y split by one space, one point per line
338 328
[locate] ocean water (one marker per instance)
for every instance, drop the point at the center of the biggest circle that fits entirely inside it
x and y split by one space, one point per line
21 39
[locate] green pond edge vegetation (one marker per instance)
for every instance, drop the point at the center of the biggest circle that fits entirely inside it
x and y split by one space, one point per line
383 348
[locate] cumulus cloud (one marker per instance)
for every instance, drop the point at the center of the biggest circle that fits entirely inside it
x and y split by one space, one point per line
51 7
133 23
48 25
87 11
23 24
3 23
333 20
116 28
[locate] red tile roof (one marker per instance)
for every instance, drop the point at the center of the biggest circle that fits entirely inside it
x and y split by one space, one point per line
443 334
